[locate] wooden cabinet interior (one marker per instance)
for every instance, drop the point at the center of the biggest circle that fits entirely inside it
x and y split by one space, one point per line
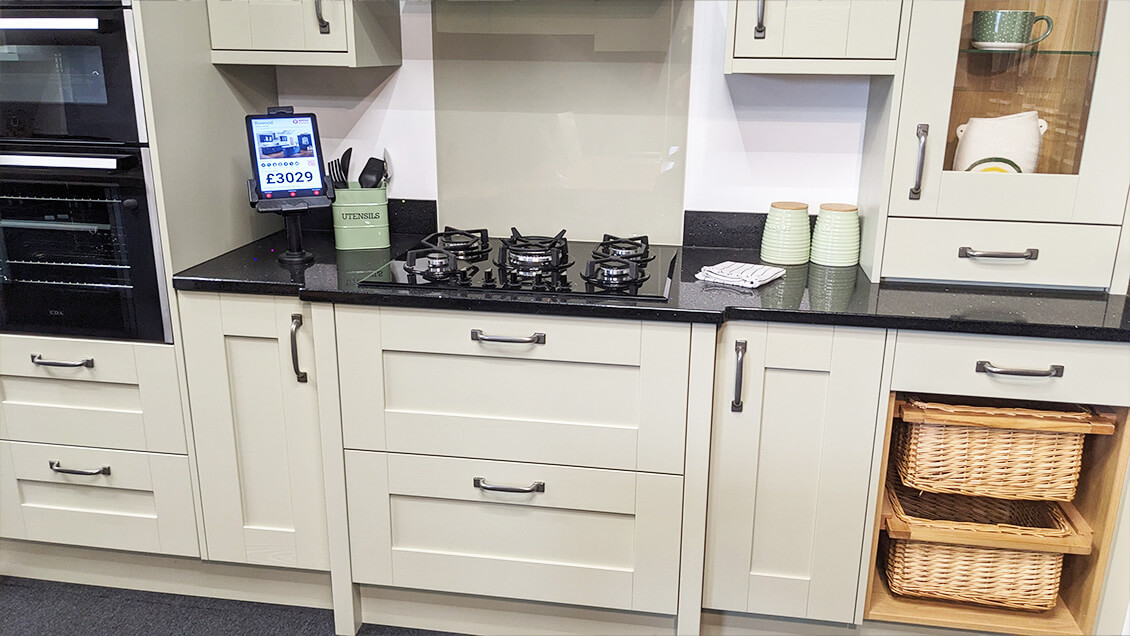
1097 497
1054 78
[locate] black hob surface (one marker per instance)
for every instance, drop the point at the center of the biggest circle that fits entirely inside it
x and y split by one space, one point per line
547 264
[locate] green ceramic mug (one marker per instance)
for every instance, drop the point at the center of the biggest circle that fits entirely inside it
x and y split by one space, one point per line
1006 29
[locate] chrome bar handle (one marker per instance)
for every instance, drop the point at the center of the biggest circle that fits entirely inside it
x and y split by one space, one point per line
56 466
759 30
736 406
1054 371
922 132
38 361
481 484
295 323
1029 254
478 336
323 26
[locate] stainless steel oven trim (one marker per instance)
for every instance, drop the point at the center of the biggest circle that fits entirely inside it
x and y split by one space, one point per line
135 77
59 161
158 252
49 24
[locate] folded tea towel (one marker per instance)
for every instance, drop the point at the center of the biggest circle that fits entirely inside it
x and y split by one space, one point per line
739 274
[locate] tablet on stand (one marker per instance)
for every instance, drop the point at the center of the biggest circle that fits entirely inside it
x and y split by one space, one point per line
286 157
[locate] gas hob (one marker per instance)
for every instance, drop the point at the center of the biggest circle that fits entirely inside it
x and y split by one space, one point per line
628 267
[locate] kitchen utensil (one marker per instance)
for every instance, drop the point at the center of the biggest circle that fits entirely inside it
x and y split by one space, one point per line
345 156
388 167
372 174
786 239
333 171
1008 144
1006 30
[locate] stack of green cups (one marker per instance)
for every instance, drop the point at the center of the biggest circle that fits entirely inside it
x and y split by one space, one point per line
361 218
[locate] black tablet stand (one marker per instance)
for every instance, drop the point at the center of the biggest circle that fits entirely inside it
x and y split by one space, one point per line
291 211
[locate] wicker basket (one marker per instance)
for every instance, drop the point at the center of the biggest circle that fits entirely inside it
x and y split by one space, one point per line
1010 453
1016 579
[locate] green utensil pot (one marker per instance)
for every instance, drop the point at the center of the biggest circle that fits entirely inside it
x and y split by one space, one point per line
361 218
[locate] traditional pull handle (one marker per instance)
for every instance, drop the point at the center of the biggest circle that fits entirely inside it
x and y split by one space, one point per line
1029 254
1054 371
38 361
759 30
323 26
481 484
295 323
55 465
478 336
736 406
922 132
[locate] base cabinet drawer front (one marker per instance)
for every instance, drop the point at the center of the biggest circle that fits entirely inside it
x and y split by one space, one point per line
953 364
256 429
622 406
1055 254
822 29
790 471
109 394
134 501
585 537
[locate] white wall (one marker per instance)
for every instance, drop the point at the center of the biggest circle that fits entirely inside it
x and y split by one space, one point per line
374 109
753 140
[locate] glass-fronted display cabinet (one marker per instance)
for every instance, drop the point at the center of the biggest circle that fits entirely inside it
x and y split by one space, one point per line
1012 104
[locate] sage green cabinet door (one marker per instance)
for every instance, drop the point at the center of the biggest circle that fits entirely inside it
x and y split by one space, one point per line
255 424
790 470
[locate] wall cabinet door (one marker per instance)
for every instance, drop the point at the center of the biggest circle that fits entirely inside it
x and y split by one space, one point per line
255 424
1075 80
790 470
277 25
825 29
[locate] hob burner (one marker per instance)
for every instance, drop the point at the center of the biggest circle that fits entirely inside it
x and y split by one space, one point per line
614 273
530 256
635 249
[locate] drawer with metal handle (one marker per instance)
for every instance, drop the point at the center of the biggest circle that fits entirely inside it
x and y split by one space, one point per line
117 395
1021 368
559 534
96 497
1051 254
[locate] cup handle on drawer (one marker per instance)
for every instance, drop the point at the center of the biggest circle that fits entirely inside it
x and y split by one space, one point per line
38 361
481 484
1054 371
479 336
54 464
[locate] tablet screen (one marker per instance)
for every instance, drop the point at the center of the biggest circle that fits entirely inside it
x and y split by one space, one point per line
284 150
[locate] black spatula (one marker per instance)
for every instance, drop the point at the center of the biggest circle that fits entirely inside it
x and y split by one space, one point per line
372 173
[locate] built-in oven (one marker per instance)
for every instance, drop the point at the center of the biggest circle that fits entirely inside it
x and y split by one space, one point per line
78 244
69 71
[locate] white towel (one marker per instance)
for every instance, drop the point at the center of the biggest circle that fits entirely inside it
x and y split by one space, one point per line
739 274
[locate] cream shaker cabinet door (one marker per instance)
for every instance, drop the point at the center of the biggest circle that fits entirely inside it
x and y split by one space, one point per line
1078 167
821 29
790 467
255 421
278 25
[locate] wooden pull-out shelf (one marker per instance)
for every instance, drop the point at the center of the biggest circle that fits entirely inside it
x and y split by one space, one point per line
1078 542
1090 420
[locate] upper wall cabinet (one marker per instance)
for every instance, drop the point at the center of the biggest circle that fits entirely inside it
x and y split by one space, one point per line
1030 129
849 37
1012 112
350 33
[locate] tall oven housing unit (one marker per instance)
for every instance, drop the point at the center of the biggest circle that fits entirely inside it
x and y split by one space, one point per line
79 242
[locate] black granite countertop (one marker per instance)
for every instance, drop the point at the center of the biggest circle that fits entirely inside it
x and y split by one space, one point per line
810 294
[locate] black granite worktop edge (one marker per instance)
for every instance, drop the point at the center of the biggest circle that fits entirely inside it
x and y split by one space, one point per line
253 269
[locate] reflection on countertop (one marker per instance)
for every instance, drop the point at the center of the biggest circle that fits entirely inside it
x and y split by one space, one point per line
809 293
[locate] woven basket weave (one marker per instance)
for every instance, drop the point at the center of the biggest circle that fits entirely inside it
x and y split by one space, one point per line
989 462
1017 579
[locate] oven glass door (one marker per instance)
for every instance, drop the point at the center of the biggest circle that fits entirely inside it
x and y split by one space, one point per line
76 249
65 74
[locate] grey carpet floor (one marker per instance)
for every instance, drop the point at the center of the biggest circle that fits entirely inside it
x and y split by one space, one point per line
41 608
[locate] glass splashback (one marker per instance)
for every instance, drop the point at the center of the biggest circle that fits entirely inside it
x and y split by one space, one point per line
1018 105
